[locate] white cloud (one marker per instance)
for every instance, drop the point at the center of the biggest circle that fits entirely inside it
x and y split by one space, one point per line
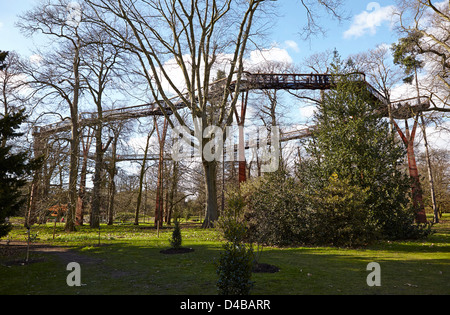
36 59
368 21
175 74
292 45
258 57
307 112
437 137
174 71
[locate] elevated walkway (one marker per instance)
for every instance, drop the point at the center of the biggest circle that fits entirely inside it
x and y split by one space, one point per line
400 109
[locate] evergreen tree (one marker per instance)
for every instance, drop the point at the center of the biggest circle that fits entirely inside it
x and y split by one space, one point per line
353 143
3 55
14 167
405 54
176 239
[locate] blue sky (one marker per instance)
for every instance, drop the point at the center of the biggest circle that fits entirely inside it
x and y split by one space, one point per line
367 16
11 39
368 25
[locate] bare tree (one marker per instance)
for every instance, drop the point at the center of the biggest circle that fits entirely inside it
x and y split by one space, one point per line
430 171
439 160
317 63
57 75
101 60
426 23
142 175
11 84
159 207
86 141
380 72
116 129
314 12
270 111
192 35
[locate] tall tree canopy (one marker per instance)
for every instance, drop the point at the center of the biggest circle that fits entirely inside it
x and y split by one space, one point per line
353 143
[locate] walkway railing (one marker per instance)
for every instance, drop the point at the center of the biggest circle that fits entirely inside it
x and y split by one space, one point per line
250 81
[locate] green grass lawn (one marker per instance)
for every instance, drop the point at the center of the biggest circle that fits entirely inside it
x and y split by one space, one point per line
128 261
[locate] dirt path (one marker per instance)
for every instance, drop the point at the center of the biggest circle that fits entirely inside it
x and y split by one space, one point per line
14 254
17 251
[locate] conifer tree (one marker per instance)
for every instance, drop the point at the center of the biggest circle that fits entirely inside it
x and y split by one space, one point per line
353 143
14 167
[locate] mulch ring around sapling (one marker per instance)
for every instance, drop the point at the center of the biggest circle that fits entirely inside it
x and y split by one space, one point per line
264 268
181 250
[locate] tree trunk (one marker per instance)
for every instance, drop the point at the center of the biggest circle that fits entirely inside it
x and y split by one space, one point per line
427 154
95 206
112 194
81 192
73 176
159 195
34 199
430 174
166 205
212 213
241 149
173 188
35 192
416 188
112 184
241 155
141 179
159 206
74 145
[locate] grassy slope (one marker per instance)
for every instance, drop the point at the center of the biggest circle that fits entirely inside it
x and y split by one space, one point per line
131 264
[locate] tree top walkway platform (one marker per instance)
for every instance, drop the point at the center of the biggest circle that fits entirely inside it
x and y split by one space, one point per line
400 109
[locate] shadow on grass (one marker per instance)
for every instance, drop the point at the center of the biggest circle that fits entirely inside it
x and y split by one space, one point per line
123 266
140 268
131 268
319 271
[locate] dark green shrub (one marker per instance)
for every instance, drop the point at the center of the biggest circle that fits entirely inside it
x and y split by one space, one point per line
231 224
340 215
275 210
176 240
235 269
235 263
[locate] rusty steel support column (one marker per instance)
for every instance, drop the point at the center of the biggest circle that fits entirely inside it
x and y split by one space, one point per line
241 149
36 185
416 189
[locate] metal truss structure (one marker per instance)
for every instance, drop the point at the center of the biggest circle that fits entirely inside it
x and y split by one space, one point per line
401 109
